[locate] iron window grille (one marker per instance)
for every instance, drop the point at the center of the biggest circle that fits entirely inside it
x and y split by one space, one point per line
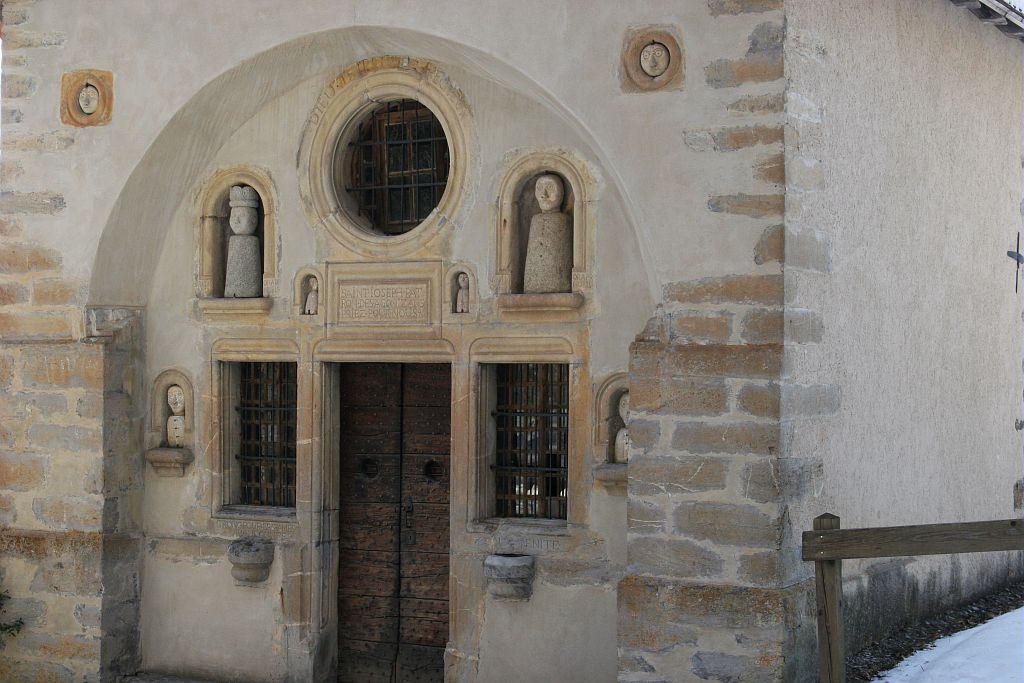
266 447
532 440
399 166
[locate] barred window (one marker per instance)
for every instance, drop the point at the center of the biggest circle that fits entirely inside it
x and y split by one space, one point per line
531 420
398 166
266 405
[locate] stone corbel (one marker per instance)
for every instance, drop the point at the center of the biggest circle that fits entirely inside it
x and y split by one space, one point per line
251 559
509 577
169 462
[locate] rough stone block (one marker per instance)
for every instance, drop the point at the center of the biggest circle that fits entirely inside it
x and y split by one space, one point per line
10 115
672 557
24 404
805 400
753 361
62 366
764 326
675 396
676 475
79 514
10 171
22 471
770 103
644 517
30 202
35 326
60 648
10 227
771 169
701 328
6 372
752 205
90 406
762 400
762 63
20 39
719 666
56 292
16 86
728 524
809 250
12 293
23 671
55 141
772 246
732 139
88 616
803 326
644 434
69 561
65 437
644 623
720 7
25 258
731 289
8 512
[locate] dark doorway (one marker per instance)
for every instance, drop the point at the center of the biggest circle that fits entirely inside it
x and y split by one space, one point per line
394 442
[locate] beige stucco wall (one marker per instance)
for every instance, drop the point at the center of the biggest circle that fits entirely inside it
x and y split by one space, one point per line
903 338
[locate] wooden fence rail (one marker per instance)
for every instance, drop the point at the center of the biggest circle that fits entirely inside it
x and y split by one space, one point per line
827 545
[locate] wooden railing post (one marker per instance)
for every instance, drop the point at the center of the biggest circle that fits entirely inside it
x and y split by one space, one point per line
828 581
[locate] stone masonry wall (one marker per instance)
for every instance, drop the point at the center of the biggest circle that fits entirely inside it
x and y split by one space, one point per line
68 485
712 589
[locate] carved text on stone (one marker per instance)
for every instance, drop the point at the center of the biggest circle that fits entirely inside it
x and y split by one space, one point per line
392 302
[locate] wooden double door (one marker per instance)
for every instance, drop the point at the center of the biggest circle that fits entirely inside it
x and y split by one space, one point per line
395 443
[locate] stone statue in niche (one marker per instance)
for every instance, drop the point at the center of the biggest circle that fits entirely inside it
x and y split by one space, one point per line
622 436
176 421
548 265
312 304
244 276
654 59
462 295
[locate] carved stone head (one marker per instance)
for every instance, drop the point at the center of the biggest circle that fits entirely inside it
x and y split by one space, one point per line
314 284
463 280
89 99
244 202
176 399
654 59
624 406
549 192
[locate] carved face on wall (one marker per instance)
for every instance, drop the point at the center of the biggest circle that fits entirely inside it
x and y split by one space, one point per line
176 399
88 99
463 281
654 59
314 284
549 193
243 220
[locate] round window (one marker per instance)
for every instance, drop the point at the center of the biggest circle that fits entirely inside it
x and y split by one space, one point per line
394 166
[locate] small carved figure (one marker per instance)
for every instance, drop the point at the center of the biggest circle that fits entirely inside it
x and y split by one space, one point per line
89 99
244 278
654 59
176 422
622 436
462 296
549 247
313 297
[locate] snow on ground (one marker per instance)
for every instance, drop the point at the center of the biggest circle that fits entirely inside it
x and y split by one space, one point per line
990 653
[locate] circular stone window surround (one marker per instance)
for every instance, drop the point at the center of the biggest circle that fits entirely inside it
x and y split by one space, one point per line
339 109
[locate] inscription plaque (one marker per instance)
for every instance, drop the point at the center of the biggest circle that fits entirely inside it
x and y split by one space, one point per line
384 302
390 299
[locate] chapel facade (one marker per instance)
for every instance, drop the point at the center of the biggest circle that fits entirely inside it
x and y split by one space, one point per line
490 342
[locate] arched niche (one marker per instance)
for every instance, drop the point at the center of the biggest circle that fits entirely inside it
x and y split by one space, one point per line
451 290
301 286
159 411
517 205
606 415
212 231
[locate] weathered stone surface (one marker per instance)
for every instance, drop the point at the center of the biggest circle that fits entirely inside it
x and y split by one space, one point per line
79 514
62 366
803 326
10 115
728 524
762 400
755 361
30 610
10 227
718 666
817 399
55 292
763 326
88 616
701 328
644 517
23 404
19 39
763 61
21 471
720 7
27 671
771 169
661 602
6 372
770 103
16 86
8 512
31 202
251 559
740 289
55 141
644 623
61 647
772 245
12 293
69 561
15 15
26 258
732 139
35 326
809 250
509 577
676 475
644 434
672 557
676 396
65 437
753 205
89 406
753 438
10 171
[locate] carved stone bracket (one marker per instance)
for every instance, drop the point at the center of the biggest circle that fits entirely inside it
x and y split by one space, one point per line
169 462
612 476
251 559
509 577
